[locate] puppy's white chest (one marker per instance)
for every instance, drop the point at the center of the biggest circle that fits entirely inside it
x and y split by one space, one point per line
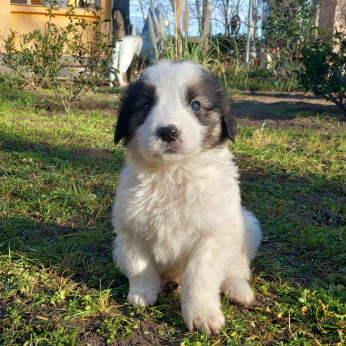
164 204
172 209
166 212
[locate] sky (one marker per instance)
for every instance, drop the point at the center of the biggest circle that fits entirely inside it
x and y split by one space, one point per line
217 18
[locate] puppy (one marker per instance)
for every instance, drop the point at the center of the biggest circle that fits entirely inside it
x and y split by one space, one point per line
178 212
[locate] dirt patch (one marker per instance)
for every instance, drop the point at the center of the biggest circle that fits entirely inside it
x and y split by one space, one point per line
87 332
255 109
148 332
274 110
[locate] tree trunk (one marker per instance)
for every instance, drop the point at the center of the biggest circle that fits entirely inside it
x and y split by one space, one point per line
226 14
199 15
123 6
206 27
178 6
118 25
316 7
186 18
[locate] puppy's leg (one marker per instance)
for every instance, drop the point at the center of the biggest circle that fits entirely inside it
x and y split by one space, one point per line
236 285
253 233
201 287
133 259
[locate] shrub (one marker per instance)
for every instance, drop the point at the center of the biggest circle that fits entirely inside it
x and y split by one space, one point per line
288 27
193 50
324 69
81 47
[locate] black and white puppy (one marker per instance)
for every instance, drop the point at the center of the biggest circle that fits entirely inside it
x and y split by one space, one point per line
178 212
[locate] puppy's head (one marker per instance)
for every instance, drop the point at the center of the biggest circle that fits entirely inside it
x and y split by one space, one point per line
175 110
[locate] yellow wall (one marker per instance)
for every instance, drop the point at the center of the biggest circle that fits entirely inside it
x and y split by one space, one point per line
5 18
26 18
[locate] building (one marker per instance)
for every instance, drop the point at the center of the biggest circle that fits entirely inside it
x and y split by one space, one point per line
24 16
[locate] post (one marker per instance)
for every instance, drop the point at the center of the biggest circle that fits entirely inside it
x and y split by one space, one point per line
248 33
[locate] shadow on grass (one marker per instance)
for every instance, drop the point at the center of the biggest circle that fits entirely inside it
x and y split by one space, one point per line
282 111
91 158
84 236
112 91
82 254
87 237
81 246
292 95
302 218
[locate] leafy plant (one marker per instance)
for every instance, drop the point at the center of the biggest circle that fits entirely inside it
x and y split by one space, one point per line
324 69
288 27
81 47
193 51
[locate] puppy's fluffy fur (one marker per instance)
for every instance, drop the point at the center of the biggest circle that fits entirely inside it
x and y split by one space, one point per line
178 212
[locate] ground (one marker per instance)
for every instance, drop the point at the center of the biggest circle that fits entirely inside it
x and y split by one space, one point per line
58 178
278 110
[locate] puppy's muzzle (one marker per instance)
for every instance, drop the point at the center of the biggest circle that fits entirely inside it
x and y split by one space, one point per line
168 133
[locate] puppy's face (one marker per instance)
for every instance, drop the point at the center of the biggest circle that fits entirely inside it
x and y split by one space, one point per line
175 110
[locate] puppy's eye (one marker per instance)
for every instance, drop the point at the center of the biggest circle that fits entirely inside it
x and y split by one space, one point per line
148 106
196 106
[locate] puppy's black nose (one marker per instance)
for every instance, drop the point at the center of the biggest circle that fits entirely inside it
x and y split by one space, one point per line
168 133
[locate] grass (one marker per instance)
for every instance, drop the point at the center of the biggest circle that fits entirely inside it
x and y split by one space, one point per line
58 284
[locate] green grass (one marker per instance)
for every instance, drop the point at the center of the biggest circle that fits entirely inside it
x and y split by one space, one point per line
58 284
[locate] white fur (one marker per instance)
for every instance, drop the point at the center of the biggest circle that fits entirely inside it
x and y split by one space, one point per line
178 211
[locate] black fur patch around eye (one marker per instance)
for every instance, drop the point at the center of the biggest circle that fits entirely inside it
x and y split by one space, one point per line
215 112
133 110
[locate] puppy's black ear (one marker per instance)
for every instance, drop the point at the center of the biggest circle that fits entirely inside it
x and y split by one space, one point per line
122 127
229 125
122 130
132 112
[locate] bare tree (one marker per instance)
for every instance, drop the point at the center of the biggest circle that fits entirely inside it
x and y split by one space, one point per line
229 10
186 18
206 26
178 6
199 15
225 4
202 6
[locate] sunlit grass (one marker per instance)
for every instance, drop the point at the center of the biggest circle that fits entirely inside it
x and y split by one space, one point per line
58 283
317 151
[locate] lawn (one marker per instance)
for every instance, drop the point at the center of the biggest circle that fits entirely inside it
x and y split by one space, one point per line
58 283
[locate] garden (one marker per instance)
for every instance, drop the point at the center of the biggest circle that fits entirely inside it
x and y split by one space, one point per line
59 169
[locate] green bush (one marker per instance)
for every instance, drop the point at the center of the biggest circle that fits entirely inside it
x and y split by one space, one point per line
81 47
289 26
324 69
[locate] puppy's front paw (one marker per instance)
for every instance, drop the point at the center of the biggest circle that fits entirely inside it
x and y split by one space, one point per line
142 297
238 291
204 318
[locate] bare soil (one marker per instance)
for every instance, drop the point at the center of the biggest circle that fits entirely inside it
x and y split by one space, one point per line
275 110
